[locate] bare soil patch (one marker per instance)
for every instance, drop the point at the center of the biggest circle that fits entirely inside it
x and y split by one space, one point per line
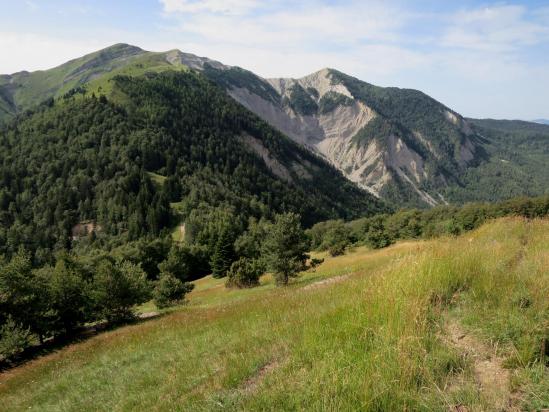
252 383
326 282
492 378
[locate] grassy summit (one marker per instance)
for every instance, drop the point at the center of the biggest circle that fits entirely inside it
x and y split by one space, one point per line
366 331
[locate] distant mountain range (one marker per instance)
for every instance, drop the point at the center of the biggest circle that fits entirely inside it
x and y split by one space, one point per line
541 121
397 144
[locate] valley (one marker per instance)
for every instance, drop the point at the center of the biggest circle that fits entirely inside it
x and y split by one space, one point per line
181 234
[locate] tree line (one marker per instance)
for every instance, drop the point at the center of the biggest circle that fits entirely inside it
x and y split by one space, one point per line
87 158
383 230
91 285
38 303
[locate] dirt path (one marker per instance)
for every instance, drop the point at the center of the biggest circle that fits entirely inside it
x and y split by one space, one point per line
148 315
253 382
326 282
492 378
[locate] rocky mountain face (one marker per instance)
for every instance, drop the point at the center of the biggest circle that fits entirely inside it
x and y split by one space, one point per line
398 144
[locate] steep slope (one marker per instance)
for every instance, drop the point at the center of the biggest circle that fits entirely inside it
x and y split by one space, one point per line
379 339
516 164
24 90
398 144
88 158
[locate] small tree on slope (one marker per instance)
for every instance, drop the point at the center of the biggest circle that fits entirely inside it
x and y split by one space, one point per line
285 247
223 255
170 290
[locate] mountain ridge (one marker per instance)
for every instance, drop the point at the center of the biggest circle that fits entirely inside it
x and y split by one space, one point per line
399 144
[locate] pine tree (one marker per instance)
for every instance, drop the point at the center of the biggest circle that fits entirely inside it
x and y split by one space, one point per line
223 255
285 247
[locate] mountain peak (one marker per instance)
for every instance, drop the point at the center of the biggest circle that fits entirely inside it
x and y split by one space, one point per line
122 46
322 72
193 61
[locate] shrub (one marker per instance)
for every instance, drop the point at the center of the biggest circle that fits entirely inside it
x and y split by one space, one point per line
178 263
244 273
378 238
68 294
117 288
337 249
314 263
285 248
337 238
332 235
170 291
14 339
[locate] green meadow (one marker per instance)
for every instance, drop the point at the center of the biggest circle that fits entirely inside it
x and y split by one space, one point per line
370 330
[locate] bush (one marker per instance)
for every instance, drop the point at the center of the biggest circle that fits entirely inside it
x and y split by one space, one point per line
285 247
377 236
14 339
68 294
117 288
378 239
337 249
316 262
337 238
244 273
170 291
178 263
332 235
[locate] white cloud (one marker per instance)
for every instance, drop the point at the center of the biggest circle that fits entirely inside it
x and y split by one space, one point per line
31 51
31 5
495 29
304 26
231 7
468 58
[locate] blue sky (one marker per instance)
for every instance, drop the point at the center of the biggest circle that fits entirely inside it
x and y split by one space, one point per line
483 59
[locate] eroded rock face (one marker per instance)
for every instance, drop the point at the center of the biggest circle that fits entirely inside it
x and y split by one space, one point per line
332 134
372 164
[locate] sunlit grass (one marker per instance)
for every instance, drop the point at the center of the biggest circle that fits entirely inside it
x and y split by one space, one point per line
372 341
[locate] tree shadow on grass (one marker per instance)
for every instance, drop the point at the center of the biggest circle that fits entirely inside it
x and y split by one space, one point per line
81 334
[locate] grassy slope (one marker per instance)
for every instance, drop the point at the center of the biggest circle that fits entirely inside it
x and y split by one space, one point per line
147 63
94 70
372 341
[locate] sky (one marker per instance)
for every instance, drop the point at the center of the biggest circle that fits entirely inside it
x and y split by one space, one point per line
480 58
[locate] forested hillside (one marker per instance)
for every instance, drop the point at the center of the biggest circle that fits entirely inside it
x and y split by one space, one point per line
515 165
399 144
159 149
